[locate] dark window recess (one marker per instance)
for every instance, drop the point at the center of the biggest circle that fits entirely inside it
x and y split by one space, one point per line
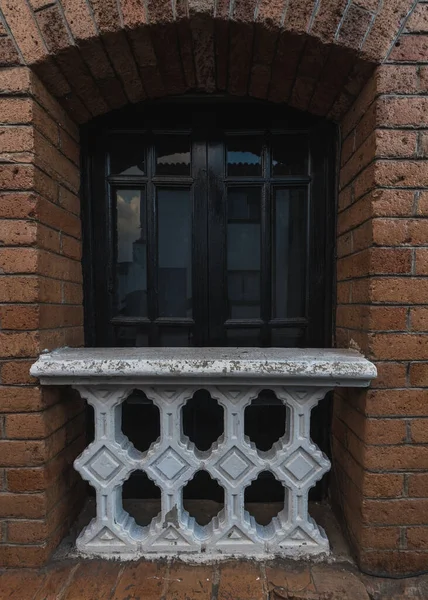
136 488
209 223
203 497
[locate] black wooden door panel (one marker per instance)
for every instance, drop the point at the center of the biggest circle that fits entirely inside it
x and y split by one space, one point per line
210 228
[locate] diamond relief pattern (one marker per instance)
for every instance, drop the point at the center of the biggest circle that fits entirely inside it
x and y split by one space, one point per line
107 463
235 464
300 464
170 465
104 465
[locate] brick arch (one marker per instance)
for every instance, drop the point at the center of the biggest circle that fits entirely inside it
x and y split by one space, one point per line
98 55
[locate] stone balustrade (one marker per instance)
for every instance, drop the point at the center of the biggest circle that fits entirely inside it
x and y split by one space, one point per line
169 377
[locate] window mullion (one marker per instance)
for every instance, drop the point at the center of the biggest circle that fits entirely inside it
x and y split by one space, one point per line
266 249
152 249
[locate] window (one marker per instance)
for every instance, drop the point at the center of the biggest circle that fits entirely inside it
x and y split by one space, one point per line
208 223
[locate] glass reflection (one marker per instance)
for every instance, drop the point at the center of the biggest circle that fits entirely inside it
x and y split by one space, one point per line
290 155
127 156
131 268
243 252
244 156
175 252
173 155
290 249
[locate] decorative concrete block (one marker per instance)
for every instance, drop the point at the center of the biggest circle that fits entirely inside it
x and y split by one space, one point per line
300 379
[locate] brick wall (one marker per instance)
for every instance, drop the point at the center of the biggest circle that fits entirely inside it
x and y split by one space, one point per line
41 431
64 62
380 437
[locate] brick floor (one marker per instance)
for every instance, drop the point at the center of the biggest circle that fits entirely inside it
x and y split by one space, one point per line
174 580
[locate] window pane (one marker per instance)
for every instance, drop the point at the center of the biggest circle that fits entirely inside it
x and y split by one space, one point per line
173 155
243 252
174 252
290 251
131 270
290 155
127 155
244 156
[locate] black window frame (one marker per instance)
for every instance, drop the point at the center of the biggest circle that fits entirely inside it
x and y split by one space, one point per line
98 218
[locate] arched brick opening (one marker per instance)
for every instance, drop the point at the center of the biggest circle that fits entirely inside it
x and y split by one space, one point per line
66 62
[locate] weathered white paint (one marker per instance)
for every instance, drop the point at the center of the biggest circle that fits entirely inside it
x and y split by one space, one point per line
234 377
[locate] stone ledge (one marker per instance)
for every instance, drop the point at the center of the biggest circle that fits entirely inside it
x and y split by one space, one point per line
310 367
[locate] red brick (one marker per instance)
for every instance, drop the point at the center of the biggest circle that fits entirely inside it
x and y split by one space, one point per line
15 80
17 233
396 458
79 19
380 537
15 110
411 48
24 29
56 164
390 375
16 177
397 290
382 485
37 479
395 512
39 425
239 580
71 247
419 431
396 143
385 28
21 583
394 563
354 27
392 203
18 260
405 402
53 29
401 111
419 319
58 218
327 19
397 79
130 582
399 346
417 538
419 374
16 316
25 399
418 20
24 344
17 205
16 372
72 293
22 505
418 485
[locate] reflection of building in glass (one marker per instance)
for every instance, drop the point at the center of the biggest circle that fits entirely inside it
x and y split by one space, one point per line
132 277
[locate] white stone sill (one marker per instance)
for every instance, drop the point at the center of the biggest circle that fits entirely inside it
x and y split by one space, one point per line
280 366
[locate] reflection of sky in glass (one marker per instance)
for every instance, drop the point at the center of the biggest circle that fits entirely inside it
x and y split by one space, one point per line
128 223
178 157
249 158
